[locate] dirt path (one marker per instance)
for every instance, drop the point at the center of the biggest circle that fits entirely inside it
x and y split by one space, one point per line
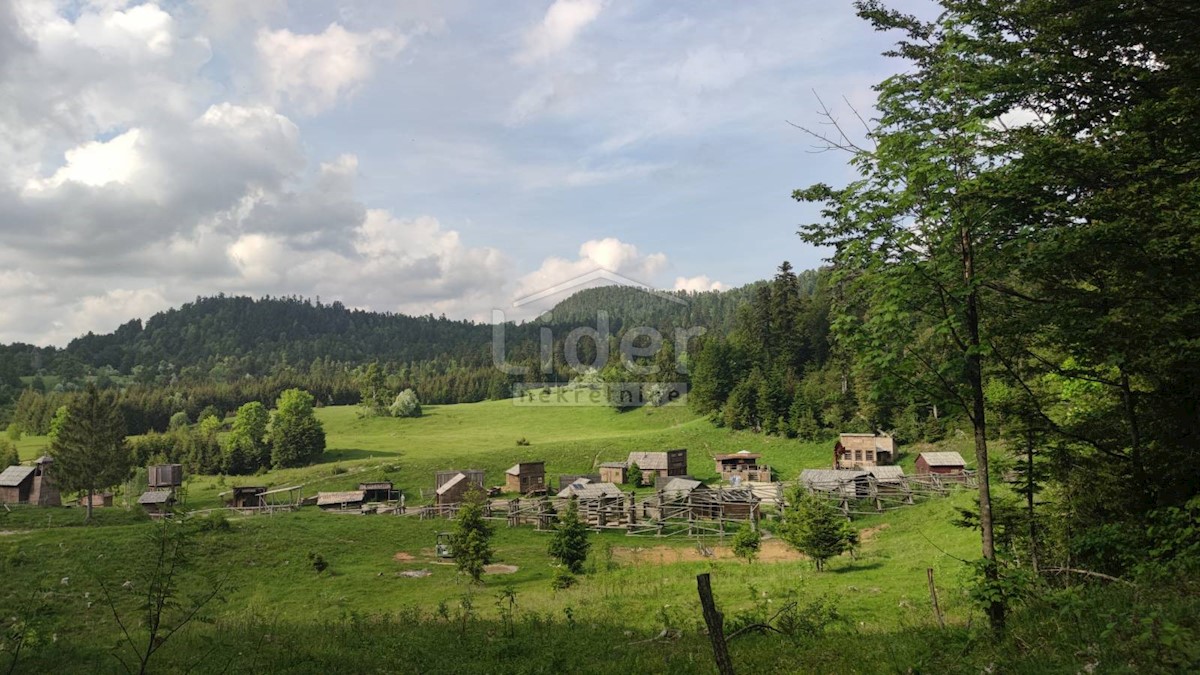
773 550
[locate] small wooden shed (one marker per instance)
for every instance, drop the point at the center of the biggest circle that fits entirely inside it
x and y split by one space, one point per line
99 500
666 463
157 503
246 497
378 491
16 484
945 463
743 465
614 472
525 478
454 490
165 476
845 482
474 477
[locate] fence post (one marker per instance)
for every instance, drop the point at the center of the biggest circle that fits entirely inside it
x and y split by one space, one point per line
716 625
937 610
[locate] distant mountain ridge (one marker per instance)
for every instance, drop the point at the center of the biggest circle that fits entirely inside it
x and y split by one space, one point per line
258 334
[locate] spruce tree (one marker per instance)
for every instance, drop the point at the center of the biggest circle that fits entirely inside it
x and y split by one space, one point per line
570 541
90 451
472 536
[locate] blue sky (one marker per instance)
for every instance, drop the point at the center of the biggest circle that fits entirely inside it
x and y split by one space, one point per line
405 156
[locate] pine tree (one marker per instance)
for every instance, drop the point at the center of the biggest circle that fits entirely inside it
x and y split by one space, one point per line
815 528
472 535
90 451
570 541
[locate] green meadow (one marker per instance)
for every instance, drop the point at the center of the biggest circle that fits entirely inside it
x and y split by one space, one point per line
382 573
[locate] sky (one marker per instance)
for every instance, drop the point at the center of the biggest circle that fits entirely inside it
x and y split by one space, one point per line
439 156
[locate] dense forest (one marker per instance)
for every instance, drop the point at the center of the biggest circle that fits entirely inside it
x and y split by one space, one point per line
225 351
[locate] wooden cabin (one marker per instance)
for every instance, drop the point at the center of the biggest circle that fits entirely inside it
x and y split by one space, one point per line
454 490
165 476
247 497
525 478
378 491
653 464
614 472
157 503
30 484
854 451
943 463
474 477
742 465
584 489
99 500
566 479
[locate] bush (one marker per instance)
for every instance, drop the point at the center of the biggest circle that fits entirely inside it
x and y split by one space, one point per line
8 454
522 441
215 521
563 579
318 562
747 542
405 405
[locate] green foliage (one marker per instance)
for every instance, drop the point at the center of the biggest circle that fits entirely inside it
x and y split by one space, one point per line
405 405
812 526
89 450
179 420
471 538
57 422
569 543
563 579
215 521
246 448
633 475
13 432
747 542
318 562
8 453
297 436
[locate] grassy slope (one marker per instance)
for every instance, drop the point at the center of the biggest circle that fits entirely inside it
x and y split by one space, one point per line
265 556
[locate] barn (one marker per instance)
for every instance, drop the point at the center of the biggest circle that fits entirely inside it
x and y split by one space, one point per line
664 464
157 503
944 463
614 472
863 450
525 478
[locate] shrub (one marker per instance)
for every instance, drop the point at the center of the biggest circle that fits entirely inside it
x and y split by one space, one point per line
405 405
747 542
522 441
215 521
815 528
570 541
8 454
318 562
563 579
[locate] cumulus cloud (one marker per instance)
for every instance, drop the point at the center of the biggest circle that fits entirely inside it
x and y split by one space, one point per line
313 72
562 23
698 284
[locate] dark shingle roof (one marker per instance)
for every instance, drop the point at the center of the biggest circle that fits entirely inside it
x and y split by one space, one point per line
156 497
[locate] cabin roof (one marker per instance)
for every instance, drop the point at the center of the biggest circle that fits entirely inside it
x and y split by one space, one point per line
743 454
867 442
586 489
886 473
614 465
651 461
156 497
809 476
681 485
448 485
942 458
347 497
15 475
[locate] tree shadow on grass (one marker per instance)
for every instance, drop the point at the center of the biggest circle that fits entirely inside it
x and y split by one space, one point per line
854 567
351 454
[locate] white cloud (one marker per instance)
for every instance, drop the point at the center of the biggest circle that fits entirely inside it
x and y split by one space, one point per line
607 255
312 72
558 29
698 284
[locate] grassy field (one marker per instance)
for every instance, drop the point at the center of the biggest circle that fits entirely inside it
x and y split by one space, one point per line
636 586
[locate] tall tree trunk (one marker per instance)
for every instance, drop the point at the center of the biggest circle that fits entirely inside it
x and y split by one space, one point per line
1129 404
974 358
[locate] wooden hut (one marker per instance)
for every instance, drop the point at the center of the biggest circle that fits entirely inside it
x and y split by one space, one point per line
525 478
247 497
614 472
452 491
157 503
378 491
863 450
584 489
30 484
164 476
474 477
341 501
566 479
742 465
16 484
944 463
654 464
99 500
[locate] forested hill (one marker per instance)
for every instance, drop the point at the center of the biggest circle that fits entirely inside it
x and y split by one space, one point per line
240 335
